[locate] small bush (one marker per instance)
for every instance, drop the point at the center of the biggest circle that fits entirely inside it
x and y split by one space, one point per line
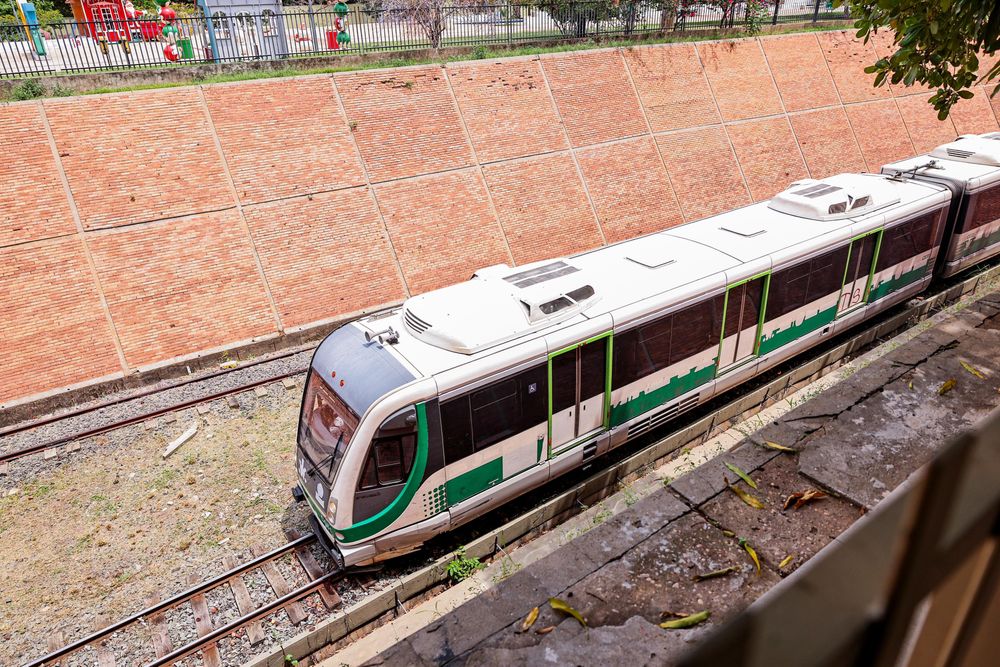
27 90
462 567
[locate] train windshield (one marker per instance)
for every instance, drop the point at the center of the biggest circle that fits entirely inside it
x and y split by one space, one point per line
326 428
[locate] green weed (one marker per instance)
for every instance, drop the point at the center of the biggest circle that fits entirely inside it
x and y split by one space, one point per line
462 567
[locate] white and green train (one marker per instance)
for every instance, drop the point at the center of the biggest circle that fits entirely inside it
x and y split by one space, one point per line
418 419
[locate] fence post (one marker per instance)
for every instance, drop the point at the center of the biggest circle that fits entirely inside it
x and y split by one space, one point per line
510 22
777 4
816 12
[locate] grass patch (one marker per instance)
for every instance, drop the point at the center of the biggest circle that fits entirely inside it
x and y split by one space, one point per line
32 89
164 478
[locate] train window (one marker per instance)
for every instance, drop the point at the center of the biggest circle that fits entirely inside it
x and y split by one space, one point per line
907 240
389 461
826 274
488 415
456 429
593 368
656 340
642 351
494 410
629 360
804 283
696 332
563 393
987 208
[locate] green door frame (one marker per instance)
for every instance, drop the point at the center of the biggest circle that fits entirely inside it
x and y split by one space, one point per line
871 270
760 322
606 417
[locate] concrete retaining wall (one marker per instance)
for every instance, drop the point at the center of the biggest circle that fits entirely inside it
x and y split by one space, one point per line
139 229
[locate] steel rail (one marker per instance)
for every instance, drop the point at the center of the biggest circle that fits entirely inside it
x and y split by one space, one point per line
171 602
238 623
128 421
45 421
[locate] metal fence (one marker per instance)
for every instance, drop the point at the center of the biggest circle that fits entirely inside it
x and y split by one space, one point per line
290 32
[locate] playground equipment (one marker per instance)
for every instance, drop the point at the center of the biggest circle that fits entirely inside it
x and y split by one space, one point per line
29 17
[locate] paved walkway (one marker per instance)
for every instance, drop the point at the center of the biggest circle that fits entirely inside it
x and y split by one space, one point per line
624 571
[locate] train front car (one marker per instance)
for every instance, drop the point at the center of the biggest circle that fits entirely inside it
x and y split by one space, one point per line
362 441
970 168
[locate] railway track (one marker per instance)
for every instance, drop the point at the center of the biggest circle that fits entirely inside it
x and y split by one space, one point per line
154 619
52 443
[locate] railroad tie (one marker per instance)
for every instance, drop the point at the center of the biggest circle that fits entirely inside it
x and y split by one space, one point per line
280 586
328 592
203 623
158 629
255 633
56 641
105 656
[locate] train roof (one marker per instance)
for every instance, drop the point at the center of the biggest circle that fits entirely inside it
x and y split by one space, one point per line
972 160
502 306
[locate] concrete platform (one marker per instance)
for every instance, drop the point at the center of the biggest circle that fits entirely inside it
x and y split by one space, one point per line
625 564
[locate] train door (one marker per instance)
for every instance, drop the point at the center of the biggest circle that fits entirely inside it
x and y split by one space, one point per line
579 379
858 273
741 321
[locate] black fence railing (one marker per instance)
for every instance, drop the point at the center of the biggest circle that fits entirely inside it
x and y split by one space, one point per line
292 32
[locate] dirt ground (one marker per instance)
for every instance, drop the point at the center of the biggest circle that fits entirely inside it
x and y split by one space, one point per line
95 536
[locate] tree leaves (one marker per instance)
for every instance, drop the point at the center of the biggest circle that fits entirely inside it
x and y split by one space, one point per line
744 495
750 551
563 606
716 573
938 44
797 500
745 477
530 619
779 448
973 370
687 621
947 386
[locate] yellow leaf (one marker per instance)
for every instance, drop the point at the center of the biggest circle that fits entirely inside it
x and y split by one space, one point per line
745 477
786 561
753 554
717 573
947 386
563 606
546 630
797 500
687 621
744 495
777 447
728 533
972 369
530 620
910 385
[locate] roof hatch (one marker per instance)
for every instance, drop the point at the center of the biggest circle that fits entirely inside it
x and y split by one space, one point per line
498 304
972 148
834 198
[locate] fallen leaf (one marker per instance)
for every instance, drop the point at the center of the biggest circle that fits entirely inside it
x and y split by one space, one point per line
729 533
546 630
910 386
777 447
717 573
947 386
753 554
797 500
745 477
563 606
972 369
687 621
786 561
530 620
744 495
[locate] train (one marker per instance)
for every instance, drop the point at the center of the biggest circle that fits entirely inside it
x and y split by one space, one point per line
420 418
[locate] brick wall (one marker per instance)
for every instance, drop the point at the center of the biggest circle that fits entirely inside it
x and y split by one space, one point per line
141 228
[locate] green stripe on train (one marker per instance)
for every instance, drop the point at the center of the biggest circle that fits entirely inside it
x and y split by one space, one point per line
645 402
976 245
782 337
382 520
889 286
474 481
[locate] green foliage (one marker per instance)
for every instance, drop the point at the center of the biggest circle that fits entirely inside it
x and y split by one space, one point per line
938 44
462 567
28 89
757 16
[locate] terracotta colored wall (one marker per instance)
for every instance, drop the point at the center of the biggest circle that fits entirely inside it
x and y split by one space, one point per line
140 228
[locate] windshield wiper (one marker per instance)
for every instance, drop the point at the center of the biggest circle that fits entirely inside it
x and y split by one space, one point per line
315 468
